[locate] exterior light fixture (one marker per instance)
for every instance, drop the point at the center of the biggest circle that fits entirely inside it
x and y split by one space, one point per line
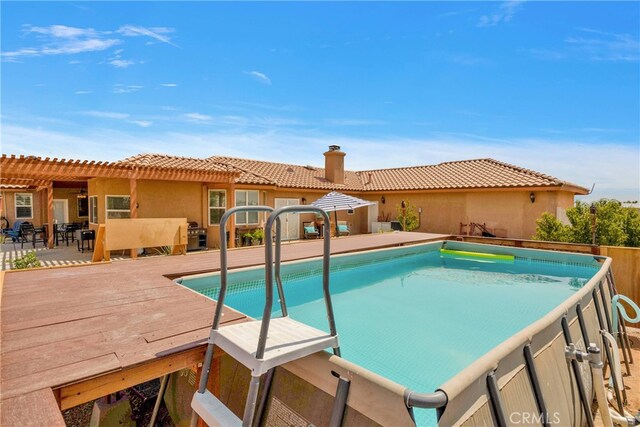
382 200
532 197
304 201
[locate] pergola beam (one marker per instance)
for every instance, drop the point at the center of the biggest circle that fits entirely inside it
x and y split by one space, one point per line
37 169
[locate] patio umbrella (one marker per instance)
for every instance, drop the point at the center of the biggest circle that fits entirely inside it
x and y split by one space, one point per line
334 202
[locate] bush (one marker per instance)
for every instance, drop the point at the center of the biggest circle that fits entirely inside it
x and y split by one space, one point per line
615 225
407 217
30 260
550 229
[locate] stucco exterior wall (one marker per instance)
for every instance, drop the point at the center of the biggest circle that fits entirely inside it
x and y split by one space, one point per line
10 207
508 213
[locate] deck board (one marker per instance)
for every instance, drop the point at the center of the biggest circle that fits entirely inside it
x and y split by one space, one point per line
64 328
43 410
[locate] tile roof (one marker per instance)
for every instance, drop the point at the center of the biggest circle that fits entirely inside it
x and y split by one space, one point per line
175 162
287 175
465 174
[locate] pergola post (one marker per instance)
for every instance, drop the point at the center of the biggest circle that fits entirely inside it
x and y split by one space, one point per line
51 231
133 206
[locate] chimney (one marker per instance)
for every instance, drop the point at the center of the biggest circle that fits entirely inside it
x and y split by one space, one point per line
334 164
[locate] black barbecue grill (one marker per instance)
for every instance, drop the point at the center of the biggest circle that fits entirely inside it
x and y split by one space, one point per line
196 237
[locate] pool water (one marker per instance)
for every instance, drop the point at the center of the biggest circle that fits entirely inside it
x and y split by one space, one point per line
419 319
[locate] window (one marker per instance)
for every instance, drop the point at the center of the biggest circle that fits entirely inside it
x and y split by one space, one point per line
247 198
93 209
24 205
83 207
118 207
217 205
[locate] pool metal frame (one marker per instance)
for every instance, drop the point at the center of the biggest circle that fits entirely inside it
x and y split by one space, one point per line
488 365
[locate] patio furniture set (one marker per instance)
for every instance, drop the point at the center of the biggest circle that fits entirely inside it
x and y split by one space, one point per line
25 232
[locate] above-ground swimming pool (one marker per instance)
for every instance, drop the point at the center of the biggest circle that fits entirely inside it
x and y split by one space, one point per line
415 315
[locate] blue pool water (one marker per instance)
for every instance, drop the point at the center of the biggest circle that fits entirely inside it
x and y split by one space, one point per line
417 319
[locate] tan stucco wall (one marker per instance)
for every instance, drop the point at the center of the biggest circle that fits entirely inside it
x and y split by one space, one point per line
508 213
10 207
71 195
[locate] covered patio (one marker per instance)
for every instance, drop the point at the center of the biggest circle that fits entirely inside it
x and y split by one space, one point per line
48 179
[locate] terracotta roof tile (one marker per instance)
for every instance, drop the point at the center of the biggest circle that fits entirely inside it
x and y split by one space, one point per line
465 174
175 162
287 175
479 173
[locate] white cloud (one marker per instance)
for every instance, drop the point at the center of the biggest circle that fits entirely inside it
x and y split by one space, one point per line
82 92
503 13
604 46
121 88
62 31
258 76
353 122
65 40
141 123
197 117
105 114
121 63
157 33
168 84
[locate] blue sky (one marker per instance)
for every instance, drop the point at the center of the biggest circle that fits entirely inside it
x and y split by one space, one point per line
551 86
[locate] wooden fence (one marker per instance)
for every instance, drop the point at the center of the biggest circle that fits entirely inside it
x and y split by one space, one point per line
626 269
140 233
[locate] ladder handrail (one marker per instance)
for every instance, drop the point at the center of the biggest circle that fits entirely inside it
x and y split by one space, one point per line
206 366
223 255
266 317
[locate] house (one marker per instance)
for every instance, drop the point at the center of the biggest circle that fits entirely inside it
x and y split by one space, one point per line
507 199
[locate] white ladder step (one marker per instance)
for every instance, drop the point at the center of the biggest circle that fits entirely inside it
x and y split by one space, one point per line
213 412
288 340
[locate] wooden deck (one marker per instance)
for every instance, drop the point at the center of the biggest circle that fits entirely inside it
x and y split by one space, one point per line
88 331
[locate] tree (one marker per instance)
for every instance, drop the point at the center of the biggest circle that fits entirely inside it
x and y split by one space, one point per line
615 225
550 229
407 216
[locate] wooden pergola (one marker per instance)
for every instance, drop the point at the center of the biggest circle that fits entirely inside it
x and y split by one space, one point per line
36 173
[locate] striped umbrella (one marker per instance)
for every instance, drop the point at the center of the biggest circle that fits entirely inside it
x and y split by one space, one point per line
334 202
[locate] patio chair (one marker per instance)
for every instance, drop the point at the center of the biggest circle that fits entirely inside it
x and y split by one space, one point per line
27 230
14 232
310 230
65 232
343 228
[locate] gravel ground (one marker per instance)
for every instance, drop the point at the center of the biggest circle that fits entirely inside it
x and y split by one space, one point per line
142 408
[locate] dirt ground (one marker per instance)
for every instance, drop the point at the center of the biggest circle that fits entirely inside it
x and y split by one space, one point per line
142 403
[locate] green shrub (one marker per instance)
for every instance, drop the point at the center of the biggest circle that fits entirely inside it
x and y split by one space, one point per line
615 225
30 260
407 217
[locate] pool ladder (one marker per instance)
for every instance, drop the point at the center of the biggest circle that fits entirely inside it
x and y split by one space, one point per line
262 345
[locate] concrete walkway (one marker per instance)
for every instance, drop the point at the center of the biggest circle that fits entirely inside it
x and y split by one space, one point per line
59 255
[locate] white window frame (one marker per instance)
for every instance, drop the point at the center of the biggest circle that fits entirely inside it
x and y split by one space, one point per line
223 208
93 209
30 205
245 215
106 205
